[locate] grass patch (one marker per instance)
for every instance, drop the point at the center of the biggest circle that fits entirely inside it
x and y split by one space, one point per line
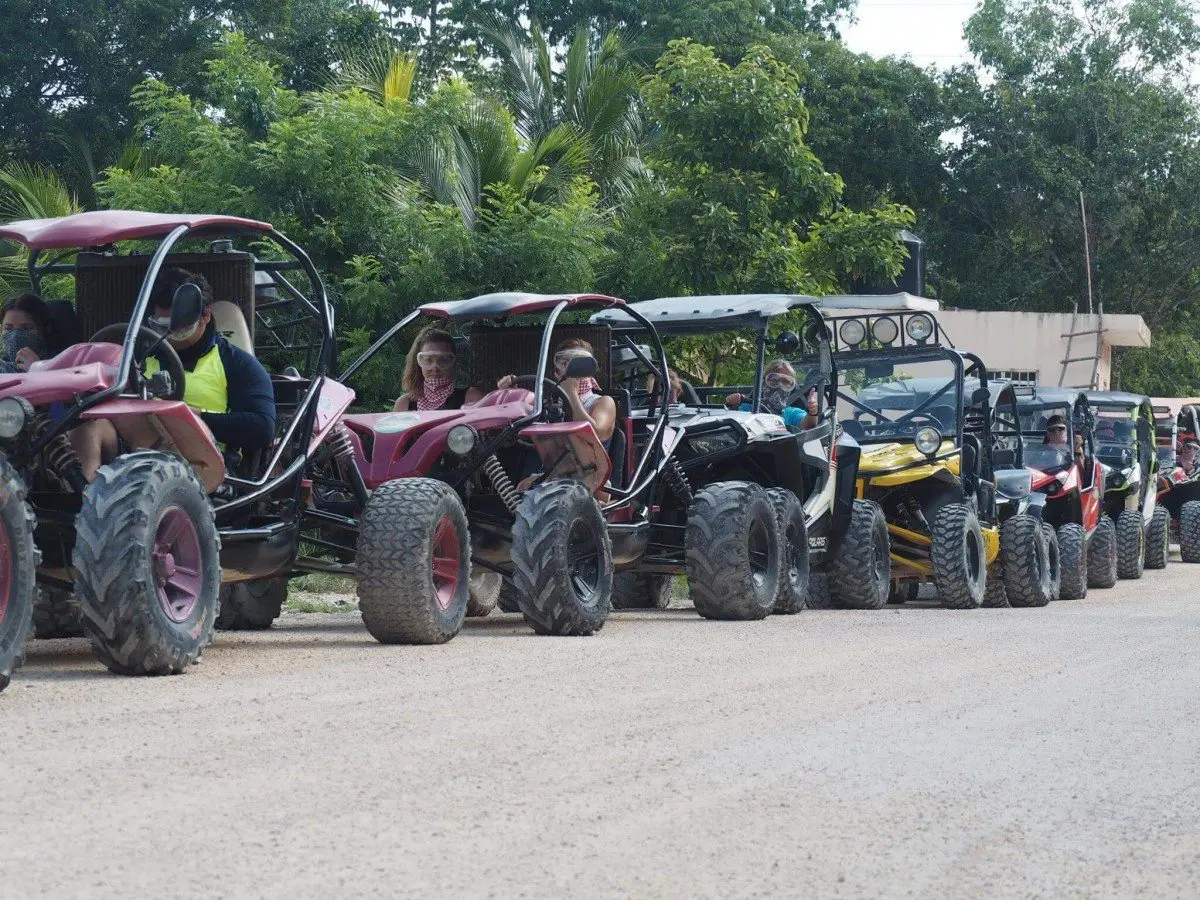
318 603
322 583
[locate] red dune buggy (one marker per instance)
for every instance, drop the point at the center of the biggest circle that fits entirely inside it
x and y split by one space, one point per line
1179 489
144 550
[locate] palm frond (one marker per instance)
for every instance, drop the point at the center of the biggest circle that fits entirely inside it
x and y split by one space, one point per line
34 192
380 69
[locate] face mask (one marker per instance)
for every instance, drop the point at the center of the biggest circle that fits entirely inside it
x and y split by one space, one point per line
162 323
19 338
774 400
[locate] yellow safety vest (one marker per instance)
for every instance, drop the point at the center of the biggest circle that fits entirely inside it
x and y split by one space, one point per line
205 388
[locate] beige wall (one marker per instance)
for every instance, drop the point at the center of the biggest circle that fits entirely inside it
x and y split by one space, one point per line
1034 342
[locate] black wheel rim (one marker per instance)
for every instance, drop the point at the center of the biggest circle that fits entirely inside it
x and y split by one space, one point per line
794 550
974 566
583 561
760 553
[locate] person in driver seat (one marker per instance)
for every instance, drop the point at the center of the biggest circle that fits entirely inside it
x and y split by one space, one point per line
587 404
1056 431
1189 454
779 381
227 386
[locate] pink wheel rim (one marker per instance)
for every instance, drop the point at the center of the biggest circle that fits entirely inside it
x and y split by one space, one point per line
6 572
176 563
447 555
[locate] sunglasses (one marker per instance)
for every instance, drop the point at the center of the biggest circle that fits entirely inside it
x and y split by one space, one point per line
779 380
1057 428
435 359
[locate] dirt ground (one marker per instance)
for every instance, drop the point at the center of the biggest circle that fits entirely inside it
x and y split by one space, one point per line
908 752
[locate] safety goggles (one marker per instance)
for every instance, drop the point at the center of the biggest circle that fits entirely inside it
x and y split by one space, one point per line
1058 428
435 359
780 381
563 357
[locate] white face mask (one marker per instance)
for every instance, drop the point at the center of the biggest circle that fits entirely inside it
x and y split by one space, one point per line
175 337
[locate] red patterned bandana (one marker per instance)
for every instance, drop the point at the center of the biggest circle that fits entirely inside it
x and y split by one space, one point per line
435 392
586 386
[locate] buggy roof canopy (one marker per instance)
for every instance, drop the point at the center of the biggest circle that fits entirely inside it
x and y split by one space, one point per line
708 313
1046 397
908 393
512 303
1116 398
98 229
901 302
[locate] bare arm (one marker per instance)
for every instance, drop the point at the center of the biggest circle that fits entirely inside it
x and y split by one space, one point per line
402 403
603 415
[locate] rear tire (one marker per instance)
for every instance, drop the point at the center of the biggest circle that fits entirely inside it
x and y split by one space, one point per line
862 572
19 560
1158 539
56 615
634 591
1072 554
958 557
507 600
793 545
252 605
996 595
484 592
1102 555
1131 544
1026 565
414 571
147 565
1053 560
818 595
1189 532
903 592
733 552
562 560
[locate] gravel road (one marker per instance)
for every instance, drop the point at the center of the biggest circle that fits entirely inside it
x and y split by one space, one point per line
908 752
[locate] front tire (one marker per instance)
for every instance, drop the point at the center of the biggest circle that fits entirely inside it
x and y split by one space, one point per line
1026 562
958 557
1072 554
1158 539
562 560
413 562
1102 555
1189 532
147 565
18 571
862 572
56 615
634 591
252 605
484 593
1131 544
793 544
733 552
1053 560
903 592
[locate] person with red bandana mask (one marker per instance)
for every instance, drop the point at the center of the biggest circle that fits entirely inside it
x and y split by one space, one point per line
586 404
429 376
1188 458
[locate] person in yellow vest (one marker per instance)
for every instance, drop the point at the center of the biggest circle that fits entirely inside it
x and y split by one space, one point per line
227 386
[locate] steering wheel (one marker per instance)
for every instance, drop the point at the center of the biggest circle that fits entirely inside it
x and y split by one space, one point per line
555 402
172 365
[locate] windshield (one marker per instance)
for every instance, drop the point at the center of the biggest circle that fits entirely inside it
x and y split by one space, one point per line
1046 436
892 401
1115 437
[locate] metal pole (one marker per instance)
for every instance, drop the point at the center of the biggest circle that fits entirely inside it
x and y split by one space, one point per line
1087 253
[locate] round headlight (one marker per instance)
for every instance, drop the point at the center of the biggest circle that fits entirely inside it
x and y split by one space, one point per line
919 328
928 440
461 440
14 413
885 330
852 333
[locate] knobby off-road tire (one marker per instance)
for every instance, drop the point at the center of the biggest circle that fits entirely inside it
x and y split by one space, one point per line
252 605
995 596
56 615
793 544
19 560
634 591
903 592
958 557
1102 555
1189 532
562 560
147 565
818 595
1025 562
507 601
733 552
1131 544
1158 539
485 591
1072 554
1053 559
862 573
414 570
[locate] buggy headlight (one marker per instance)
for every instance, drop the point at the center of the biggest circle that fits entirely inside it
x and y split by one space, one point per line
15 412
919 328
852 333
461 440
885 330
928 440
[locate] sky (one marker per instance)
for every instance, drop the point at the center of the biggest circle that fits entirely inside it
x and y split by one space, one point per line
929 31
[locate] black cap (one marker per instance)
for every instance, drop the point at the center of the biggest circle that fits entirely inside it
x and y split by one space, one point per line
1056 420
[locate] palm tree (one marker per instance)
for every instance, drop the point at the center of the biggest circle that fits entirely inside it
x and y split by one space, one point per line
379 69
29 192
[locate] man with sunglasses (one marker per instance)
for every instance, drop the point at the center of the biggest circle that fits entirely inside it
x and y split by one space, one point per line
778 384
1056 436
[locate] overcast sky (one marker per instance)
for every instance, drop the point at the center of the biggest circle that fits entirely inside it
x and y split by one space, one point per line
929 31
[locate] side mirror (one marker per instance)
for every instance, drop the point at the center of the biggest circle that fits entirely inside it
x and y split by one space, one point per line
578 367
980 395
186 307
787 343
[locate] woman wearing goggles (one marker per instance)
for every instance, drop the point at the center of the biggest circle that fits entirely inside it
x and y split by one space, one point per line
429 375
586 404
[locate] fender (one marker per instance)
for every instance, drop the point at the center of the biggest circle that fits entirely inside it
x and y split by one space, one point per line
571 450
847 453
335 399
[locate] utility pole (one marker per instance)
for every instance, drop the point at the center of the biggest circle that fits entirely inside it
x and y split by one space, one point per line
1087 252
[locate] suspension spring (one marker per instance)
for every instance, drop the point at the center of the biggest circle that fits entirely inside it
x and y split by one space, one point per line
339 444
501 482
676 480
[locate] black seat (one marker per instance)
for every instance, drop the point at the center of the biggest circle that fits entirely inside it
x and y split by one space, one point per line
617 447
65 328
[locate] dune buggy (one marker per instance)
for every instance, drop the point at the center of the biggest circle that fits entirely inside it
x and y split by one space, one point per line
937 447
1125 443
1178 489
745 455
145 549
444 506
1067 473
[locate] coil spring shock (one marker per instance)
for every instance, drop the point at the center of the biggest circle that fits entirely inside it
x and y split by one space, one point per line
342 450
501 482
61 458
677 481
339 444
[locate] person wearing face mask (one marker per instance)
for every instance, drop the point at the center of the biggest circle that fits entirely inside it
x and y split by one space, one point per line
1189 456
26 329
778 384
429 375
587 405
227 386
